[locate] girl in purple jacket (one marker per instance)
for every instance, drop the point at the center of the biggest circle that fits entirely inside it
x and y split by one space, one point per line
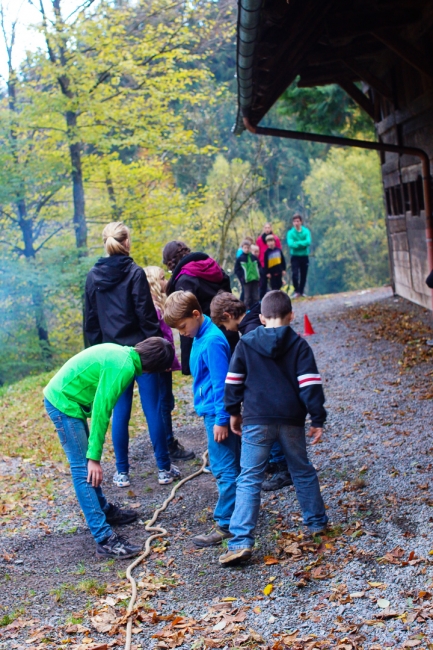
157 283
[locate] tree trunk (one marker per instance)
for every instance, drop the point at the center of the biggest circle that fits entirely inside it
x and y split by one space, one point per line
26 226
80 225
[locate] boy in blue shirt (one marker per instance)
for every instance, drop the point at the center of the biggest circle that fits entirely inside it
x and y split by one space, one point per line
209 364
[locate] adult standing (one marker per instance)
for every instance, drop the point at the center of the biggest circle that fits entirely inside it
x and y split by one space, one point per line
299 242
261 243
202 276
119 309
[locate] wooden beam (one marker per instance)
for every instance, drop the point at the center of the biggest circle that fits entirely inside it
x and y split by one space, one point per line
358 97
366 47
404 50
355 23
369 78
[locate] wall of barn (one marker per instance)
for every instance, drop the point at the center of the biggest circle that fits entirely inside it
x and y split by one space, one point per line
410 126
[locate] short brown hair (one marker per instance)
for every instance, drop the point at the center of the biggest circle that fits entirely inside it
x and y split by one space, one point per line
276 304
156 354
179 305
270 237
246 242
297 216
226 302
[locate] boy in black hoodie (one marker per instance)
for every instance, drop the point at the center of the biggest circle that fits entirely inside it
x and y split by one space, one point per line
275 356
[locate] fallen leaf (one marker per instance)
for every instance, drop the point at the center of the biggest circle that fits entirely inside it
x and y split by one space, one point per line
134 505
268 589
270 560
375 584
228 599
219 626
257 610
411 643
383 603
357 594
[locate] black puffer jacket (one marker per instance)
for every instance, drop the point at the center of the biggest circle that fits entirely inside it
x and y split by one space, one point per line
119 307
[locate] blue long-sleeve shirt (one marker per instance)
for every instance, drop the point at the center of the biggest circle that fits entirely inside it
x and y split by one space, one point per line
209 364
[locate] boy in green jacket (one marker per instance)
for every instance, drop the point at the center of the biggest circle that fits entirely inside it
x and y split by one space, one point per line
299 242
89 385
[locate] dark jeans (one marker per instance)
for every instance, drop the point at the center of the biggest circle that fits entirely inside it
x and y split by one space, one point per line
149 389
276 281
251 293
263 283
167 403
299 272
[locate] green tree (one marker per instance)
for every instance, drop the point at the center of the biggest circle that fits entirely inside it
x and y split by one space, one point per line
345 199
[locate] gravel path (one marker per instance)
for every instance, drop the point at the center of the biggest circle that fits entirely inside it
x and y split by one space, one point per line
368 585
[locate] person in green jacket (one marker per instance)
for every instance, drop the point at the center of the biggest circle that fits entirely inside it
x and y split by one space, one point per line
299 241
89 385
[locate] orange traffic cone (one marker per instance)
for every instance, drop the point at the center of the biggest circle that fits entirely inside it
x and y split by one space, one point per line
308 328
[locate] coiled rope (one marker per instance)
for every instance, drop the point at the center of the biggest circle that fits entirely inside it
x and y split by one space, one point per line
159 532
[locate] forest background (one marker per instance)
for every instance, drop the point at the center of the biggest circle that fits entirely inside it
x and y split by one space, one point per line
124 113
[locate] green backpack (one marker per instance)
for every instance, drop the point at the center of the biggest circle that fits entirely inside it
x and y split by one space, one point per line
251 269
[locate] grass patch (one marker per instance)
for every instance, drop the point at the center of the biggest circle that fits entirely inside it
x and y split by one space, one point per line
26 429
92 587
7 619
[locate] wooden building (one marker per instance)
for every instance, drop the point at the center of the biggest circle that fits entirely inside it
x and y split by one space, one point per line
385 45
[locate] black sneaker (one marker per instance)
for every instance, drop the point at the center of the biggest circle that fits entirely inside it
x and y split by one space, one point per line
117 547
117 517
277 481
178 451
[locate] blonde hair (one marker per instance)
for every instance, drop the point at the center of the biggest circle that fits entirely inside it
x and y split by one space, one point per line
114 237
153 274
180 305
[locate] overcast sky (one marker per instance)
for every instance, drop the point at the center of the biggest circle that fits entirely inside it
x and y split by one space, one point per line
27 37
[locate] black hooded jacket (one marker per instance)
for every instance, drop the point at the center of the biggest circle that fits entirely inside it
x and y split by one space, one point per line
119 307
274 374
203 290
429 281
251 320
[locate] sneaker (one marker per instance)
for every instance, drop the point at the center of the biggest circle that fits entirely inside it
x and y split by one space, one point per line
207 469
277 481
213 538
230 558
166 476
121 479
295 294
178 451
117 517
117 547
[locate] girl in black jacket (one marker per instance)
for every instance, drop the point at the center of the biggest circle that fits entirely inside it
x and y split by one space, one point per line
119 309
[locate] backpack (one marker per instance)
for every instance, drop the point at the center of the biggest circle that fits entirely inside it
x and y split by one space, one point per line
251 269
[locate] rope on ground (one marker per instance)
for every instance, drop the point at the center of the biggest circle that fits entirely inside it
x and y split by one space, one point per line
161 532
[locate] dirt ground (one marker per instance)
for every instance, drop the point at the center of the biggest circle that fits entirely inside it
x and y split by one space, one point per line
368 584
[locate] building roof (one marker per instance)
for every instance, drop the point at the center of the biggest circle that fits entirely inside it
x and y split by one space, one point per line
328 41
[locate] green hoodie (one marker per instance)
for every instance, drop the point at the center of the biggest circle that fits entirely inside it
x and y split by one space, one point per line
90 384
299 242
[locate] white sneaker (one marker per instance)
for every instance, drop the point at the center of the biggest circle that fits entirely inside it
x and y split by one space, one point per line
166 476
121 479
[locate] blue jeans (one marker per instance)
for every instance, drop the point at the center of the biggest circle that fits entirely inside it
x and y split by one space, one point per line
167 403
148 387
224 463
277 454
74 435
257 440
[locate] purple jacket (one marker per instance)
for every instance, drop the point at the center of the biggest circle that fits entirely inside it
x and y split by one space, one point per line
167 334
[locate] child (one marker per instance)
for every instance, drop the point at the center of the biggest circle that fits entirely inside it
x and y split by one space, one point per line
275 264
87 385
247 269
263 287
209 362
157 283
273 356
227 310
